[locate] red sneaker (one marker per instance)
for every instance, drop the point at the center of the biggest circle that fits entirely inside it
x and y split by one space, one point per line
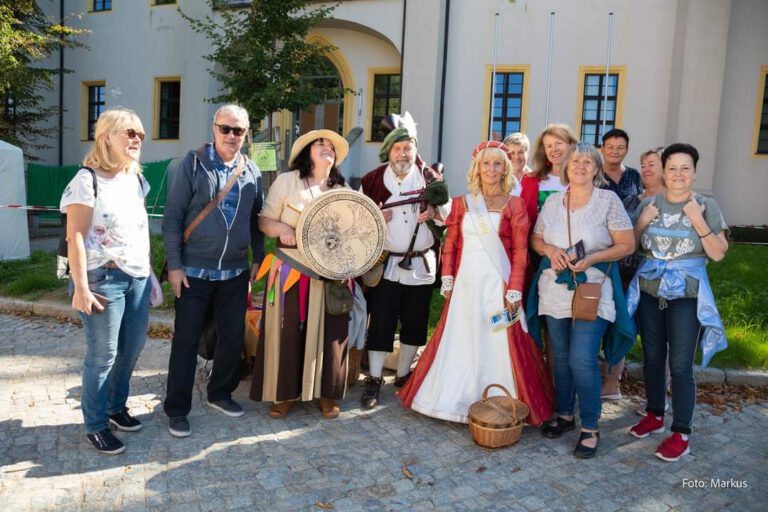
646 426
672 448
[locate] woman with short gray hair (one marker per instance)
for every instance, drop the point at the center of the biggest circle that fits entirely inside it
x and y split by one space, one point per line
519 146
580 233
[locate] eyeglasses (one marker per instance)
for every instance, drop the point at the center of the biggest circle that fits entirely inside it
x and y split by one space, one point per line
225 129
132 134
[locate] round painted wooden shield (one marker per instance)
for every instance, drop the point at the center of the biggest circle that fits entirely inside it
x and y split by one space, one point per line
341 234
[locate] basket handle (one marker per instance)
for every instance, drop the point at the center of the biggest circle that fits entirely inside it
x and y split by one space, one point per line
489 386
496 407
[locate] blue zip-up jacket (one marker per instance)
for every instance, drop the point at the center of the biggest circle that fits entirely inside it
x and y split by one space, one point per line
211 245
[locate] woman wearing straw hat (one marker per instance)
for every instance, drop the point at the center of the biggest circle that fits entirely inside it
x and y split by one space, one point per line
293 306
484 260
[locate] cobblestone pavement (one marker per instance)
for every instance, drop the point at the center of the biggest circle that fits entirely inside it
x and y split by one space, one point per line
385 459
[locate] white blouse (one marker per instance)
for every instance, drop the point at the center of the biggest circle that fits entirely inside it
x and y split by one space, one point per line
119 229
592 223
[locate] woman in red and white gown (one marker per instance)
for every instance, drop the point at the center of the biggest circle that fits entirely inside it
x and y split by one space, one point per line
483 269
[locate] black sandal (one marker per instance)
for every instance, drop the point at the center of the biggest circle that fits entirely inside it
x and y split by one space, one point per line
561 426
585 452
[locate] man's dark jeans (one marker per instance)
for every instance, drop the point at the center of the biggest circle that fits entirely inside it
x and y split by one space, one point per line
229 300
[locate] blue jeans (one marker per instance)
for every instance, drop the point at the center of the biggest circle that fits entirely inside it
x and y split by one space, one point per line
669 329
114 341
577 372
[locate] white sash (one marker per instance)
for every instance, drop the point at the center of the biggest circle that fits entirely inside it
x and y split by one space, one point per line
489 237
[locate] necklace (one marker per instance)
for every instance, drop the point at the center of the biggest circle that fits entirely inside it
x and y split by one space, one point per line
311 194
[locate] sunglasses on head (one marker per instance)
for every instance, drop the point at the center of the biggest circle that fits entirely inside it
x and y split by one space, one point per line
225 129
132 134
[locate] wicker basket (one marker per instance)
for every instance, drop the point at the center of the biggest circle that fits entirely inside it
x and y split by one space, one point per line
497 422
353 368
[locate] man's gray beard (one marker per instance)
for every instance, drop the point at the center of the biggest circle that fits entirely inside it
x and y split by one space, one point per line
401 168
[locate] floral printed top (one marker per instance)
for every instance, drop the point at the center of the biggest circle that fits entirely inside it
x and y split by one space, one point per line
119 230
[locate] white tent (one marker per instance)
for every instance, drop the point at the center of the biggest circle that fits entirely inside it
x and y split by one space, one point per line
14 236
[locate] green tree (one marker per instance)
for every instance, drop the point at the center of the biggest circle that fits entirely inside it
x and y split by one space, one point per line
27 37
261 56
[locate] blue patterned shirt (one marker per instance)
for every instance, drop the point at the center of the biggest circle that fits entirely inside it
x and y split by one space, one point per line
629 184
228 208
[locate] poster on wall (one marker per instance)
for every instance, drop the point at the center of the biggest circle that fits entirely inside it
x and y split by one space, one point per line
264 154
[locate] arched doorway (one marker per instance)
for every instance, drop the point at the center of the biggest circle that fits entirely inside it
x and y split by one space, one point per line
334 114
329 114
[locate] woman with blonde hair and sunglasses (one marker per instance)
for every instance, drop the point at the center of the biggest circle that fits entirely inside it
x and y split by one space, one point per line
108 249
483 271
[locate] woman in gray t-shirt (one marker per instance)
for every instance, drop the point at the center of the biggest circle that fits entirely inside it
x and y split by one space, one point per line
678 231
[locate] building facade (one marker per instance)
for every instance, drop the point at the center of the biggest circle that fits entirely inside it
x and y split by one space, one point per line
671 71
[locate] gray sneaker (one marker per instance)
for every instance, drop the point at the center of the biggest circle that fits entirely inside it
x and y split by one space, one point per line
228 407
179 426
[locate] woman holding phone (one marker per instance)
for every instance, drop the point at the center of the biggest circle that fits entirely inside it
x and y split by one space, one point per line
589 223
108 249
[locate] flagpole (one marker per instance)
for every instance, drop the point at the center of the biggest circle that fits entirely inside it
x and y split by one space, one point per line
549 62
493 74
608 74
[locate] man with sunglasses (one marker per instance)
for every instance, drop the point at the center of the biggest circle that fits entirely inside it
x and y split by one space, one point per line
210 218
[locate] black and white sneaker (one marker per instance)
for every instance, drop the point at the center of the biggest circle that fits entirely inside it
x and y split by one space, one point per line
125 422
179 426
106 442
228 407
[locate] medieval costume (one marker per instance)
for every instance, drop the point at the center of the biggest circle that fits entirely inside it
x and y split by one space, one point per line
484 257
404 293
302 349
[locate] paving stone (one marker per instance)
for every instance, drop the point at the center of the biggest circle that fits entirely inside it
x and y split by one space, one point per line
533 503
355 462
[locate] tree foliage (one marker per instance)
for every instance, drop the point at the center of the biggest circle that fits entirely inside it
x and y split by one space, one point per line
261 56
26 38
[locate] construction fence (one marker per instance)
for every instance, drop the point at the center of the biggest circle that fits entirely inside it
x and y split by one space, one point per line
46 183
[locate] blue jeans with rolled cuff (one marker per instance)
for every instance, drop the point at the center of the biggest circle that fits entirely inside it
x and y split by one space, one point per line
669 328
577 372
114 339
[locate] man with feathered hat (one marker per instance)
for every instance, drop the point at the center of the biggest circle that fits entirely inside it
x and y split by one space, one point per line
404 292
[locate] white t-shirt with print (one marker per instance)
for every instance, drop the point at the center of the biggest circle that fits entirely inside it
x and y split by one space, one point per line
119 230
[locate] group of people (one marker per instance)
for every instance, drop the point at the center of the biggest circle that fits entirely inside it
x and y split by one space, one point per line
516 247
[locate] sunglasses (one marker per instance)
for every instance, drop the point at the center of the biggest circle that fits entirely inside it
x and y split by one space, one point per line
132 134
225 129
